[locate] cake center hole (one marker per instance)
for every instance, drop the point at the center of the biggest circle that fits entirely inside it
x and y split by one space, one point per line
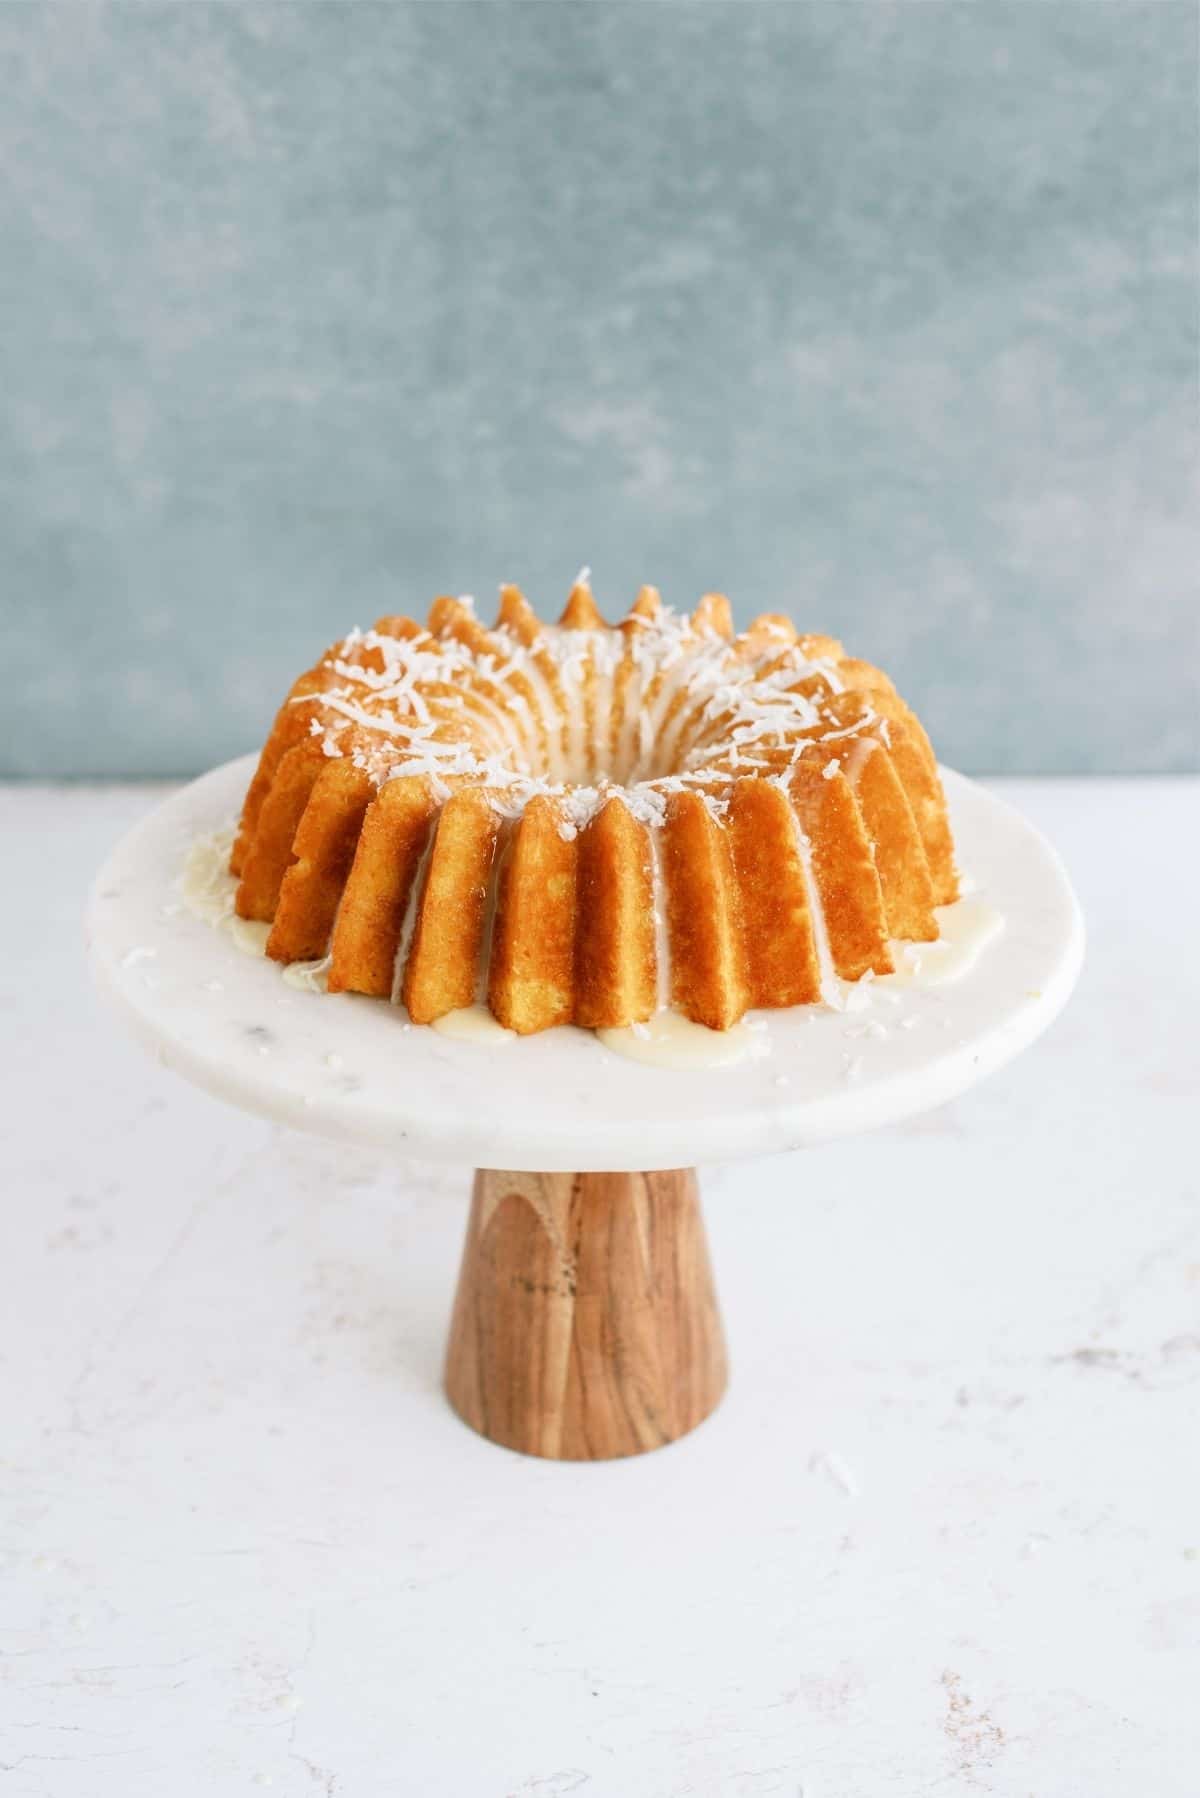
601 745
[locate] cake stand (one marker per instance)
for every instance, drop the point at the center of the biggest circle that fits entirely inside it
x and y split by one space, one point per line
585 1324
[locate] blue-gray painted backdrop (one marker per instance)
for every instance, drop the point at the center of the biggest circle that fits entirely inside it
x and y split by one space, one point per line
883 314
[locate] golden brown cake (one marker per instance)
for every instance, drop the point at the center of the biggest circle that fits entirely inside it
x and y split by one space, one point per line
583 823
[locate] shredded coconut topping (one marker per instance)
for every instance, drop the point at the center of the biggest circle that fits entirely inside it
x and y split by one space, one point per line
659 706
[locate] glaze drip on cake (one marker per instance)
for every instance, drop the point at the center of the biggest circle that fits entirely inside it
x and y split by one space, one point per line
586 823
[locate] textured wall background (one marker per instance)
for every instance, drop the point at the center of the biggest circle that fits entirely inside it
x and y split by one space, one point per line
884 314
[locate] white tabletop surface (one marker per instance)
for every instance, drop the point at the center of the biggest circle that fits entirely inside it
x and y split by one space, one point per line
942 1537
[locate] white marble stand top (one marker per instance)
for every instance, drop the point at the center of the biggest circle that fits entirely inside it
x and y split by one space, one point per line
353 1068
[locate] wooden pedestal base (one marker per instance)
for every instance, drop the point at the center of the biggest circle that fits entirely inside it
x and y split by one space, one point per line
585 1324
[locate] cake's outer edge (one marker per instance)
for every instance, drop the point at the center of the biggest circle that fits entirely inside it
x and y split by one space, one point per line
807 811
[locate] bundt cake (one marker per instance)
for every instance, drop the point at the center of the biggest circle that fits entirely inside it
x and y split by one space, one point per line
585 823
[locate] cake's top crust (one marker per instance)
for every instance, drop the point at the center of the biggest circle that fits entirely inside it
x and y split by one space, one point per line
582 711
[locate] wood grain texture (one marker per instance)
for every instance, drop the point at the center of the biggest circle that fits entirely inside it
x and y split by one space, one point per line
585 1324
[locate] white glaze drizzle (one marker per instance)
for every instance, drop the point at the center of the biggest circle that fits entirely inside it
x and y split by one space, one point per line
249 935
308 976
473 1024
965 930
669 1040
408 923
662 934
827 974
206 885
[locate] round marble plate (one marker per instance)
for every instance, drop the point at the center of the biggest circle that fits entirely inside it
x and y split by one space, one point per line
354 1068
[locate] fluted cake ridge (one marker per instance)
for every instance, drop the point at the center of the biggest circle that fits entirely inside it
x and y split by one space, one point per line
581 823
